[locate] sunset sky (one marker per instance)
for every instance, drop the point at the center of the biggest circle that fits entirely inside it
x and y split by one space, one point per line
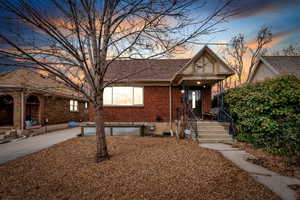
283 16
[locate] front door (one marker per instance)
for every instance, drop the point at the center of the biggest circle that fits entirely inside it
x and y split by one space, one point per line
195 102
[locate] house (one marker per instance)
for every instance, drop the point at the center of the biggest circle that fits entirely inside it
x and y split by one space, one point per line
162 93
29 100
269 67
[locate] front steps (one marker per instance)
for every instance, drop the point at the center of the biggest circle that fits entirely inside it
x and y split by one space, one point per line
211 132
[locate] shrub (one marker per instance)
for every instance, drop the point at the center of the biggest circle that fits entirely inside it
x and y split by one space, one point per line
267 114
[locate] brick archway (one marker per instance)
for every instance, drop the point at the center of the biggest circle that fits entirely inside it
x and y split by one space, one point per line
6 110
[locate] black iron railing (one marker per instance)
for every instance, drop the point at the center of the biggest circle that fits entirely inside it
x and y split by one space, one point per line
224 116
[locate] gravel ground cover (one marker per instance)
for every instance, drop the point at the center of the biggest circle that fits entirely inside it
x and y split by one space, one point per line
140 168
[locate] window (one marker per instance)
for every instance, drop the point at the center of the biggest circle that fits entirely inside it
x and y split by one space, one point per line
123 96
73 106
86 105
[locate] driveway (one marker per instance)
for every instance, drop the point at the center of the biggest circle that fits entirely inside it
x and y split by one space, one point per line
15 149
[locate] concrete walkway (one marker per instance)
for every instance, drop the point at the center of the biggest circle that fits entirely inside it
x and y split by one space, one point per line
17 148
277 183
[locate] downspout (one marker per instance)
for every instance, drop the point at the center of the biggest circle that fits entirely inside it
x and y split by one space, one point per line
22 111
170 108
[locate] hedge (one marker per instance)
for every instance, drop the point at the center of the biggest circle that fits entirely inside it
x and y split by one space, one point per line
267 114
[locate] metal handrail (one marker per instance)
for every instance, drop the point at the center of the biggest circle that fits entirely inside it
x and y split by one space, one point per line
232 130
191 122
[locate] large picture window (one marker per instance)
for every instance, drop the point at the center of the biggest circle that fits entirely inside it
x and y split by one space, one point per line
123 96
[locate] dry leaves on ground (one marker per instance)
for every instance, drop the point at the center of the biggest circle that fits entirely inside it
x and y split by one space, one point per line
140 168
277 164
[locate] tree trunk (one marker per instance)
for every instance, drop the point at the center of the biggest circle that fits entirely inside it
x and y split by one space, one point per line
102 152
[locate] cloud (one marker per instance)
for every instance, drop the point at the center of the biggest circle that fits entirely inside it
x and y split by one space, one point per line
247 8
276 38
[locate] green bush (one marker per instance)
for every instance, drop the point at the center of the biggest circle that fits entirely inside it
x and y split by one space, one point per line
267 114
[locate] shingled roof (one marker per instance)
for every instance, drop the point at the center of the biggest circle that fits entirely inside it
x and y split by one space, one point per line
31 80
147 70
285 64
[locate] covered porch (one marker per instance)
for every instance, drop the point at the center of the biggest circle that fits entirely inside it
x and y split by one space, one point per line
197 99
197 78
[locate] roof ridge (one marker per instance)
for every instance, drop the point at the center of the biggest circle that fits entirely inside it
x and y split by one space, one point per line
279 56
154 59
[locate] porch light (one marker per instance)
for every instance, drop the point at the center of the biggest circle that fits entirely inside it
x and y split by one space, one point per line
204 86
198 82
182 91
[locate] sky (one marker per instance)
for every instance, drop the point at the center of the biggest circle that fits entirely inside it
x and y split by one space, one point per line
282 16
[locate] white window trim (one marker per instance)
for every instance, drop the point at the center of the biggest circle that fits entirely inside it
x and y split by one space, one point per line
130 105
86 105
72 107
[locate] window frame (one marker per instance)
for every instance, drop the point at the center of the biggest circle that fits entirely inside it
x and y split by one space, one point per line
129 105
86 105
75 105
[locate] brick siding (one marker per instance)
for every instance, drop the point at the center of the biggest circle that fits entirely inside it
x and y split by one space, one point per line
156 105
57 110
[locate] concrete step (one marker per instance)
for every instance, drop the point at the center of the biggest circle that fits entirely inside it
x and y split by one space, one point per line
213 128
221 132
211 123
216 140
214 136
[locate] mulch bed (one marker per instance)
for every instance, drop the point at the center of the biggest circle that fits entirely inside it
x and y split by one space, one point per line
140 168
281 165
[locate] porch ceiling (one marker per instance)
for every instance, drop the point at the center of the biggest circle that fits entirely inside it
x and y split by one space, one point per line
198 82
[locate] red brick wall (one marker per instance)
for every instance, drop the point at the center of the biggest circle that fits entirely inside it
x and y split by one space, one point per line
57 110
156 103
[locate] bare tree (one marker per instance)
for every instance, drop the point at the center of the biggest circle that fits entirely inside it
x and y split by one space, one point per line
238 50
235 54
78 40
264 36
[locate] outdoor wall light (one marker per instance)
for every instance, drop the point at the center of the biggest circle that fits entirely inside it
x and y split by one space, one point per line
152 128
198 82
182 91
204 86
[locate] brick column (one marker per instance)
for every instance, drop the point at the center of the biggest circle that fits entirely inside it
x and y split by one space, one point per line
17 109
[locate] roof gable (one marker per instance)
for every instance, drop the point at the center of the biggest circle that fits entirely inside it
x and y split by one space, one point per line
278 65
204 63
285 64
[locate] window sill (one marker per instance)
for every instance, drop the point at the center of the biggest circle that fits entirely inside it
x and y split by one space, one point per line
74 111
135 106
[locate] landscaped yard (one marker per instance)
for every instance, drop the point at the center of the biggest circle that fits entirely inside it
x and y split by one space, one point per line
140 168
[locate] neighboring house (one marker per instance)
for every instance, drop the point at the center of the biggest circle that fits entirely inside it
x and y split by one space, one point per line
163 91
29 99
270 67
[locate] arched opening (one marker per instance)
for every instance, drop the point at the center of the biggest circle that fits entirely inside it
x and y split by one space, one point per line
6 110
32 110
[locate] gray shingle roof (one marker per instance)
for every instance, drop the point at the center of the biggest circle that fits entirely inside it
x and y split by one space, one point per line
152 69
285 64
